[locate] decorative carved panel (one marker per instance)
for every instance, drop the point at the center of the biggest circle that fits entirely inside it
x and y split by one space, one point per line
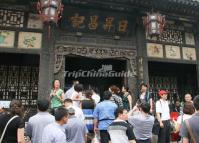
177 40
170 36
7 38
34 21
98 41
189 38
172 52
30 40
154 50
94 52
10 18
189 53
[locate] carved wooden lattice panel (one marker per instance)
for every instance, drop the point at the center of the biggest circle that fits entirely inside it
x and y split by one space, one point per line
169 36
95 52
24 84
12 83
19 82
11 18
3 79
34 84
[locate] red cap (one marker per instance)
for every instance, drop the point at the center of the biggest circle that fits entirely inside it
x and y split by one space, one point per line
161 92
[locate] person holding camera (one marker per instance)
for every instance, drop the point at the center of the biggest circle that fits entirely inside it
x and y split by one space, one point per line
143 134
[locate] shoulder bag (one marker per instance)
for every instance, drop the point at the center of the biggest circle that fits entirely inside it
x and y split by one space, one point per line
156 125
1 139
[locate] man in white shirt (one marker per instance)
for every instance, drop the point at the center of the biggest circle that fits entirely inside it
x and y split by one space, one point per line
55 132
163 116
95 96
68 103
70 91
77 95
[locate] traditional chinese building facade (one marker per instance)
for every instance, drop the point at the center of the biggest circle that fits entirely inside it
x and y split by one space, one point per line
99 43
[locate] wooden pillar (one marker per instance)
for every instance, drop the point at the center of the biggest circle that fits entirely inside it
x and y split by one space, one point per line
61 74
197 52
46 67
142 62
132 80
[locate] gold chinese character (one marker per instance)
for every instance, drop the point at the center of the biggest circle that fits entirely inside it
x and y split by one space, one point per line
123 25
108 23
93 22
77 21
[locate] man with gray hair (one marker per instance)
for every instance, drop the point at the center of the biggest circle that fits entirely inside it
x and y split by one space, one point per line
75 129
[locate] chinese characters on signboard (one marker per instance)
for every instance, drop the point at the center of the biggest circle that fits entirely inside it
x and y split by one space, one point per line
79 22
96 22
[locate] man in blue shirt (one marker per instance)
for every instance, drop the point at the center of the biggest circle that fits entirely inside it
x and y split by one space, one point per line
104 116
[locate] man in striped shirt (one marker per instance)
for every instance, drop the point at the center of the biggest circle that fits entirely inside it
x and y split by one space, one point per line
119 130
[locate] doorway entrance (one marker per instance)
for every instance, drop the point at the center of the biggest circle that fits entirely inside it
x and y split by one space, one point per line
94 73
178 79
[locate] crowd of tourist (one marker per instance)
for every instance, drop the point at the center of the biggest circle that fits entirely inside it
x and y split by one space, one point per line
83 116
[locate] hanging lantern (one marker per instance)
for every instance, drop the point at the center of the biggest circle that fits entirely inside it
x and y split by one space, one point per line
154 24
50 10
